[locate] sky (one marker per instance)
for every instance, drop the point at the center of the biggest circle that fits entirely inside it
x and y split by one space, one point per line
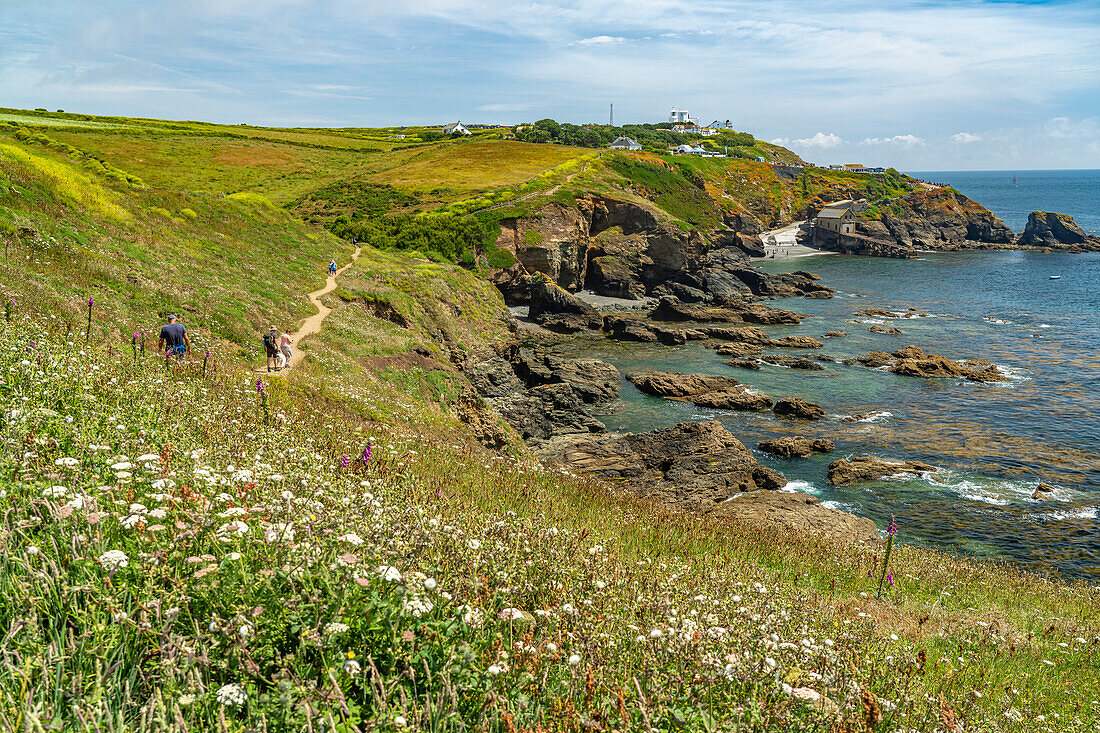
918 85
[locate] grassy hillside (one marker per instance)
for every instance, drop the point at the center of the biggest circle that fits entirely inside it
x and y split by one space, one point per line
189 549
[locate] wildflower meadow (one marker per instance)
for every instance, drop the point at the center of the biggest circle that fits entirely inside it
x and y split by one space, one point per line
186 550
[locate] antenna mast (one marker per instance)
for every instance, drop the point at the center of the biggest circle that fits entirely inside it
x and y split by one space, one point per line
612 119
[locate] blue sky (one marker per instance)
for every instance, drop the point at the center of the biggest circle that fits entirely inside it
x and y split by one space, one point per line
918 85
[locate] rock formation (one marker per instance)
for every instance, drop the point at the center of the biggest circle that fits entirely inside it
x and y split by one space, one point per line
795 446
1056 231
938 219
722 393
798 407
911 361
796 513
686 465
868 468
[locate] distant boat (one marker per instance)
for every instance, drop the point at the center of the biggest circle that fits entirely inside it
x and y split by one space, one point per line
1055 277
1014 179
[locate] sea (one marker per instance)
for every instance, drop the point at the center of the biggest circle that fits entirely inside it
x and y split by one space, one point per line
992 443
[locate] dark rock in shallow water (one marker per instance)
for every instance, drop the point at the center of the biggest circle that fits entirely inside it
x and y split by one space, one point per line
1043 491
893 331
796 514
795 446
868 468
1056 231
834 334
686 465
743 364
679 386
722 393
798 407
792 362
795 342
671 309
912 361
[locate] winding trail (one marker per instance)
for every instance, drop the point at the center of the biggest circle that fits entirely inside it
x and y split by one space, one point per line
312 324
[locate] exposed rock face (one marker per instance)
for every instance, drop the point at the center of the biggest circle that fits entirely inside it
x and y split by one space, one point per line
796 342
542 396
911 361
687 465
868 468
747 335
798 407
595 381
482 421
1056 231
796 446
784 285
793 512
547 411
792 362
548 301
834 334
893 331
939 219
626 328
737 350
722 393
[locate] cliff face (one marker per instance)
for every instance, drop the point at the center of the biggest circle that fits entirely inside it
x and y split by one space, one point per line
937 219
621 249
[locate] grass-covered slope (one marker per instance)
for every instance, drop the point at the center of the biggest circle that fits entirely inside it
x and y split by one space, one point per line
190 552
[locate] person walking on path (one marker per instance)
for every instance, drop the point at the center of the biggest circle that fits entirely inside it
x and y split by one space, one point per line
173 338
284 345
271 346
332 266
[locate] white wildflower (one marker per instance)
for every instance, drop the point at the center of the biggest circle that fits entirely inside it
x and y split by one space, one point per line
390 573
231 695
574 660
114 560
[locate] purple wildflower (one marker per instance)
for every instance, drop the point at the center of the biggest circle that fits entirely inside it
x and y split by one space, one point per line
366 453
208 354
91 302
260 385
890 577
893 528
344 461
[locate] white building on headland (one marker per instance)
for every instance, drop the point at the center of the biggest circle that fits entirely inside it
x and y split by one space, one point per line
681 117
456 127
625 143
694 130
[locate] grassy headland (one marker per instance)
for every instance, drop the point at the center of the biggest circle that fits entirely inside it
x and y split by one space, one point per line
182 550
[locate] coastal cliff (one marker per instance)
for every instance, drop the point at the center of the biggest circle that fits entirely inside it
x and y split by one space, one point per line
935 219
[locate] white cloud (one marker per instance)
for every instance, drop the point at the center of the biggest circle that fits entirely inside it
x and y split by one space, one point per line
820 140
908 140
601 41
964 138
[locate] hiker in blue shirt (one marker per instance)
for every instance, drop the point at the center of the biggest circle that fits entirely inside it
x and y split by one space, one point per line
332 267
174 338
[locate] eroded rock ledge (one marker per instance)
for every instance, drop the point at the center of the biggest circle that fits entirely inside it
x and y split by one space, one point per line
912 361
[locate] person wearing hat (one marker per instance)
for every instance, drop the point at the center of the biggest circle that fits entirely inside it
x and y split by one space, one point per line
174 338
271 346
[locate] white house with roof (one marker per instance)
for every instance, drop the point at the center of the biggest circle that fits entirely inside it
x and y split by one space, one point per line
625 143
456 127
681 117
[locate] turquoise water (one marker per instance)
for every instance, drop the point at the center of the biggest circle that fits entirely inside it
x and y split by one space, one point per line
993 442
1076 193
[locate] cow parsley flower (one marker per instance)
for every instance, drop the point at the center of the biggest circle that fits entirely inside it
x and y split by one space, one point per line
390 573
114 560
231 695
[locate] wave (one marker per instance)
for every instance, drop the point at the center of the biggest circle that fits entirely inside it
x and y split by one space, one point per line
1088 512
801 487
840 506
984 489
